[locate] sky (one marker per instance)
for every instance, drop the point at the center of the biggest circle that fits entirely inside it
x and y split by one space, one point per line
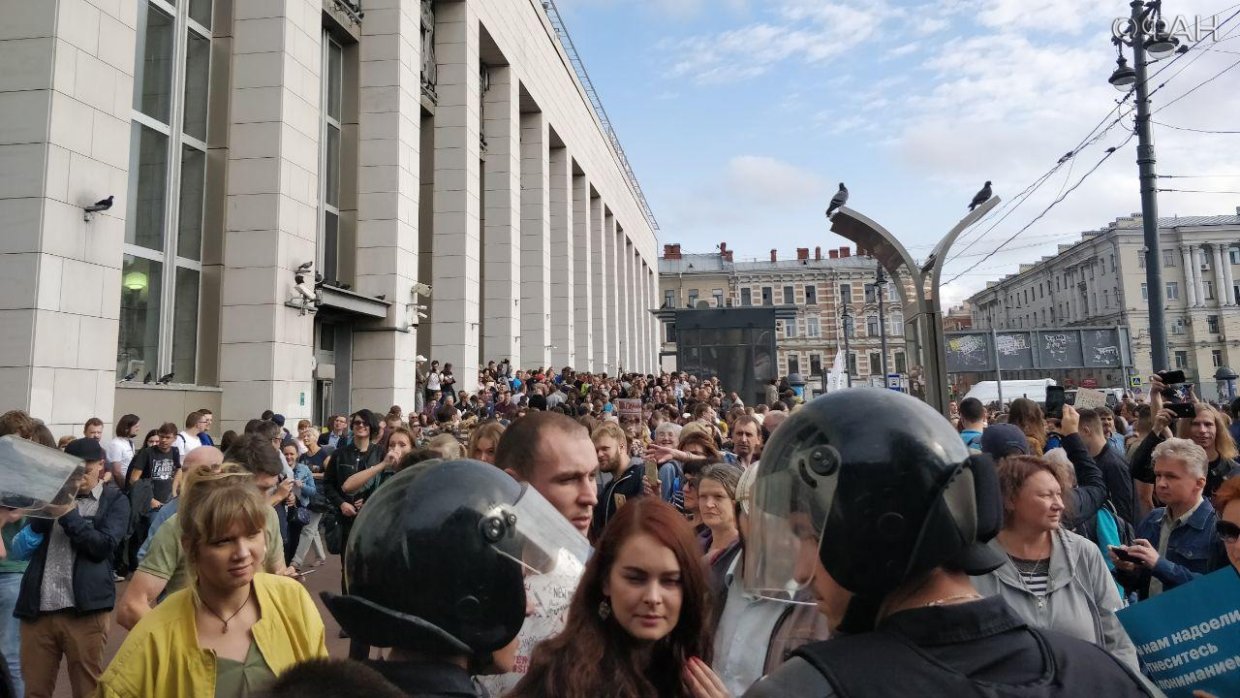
741 117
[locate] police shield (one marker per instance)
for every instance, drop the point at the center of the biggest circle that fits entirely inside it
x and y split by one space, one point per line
38 480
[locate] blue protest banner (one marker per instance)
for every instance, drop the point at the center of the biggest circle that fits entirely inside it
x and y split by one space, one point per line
1189 638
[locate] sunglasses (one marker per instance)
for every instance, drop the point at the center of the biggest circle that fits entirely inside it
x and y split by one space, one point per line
1227 531
359 423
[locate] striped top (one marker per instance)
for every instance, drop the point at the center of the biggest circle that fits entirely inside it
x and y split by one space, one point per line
1035 574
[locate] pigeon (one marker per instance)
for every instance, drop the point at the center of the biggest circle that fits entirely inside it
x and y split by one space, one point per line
165 380
1111 150
305 267
981 197
129 376
840 198
1066 156
148 377
100 205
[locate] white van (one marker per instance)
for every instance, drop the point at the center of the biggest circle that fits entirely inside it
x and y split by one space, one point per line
988 391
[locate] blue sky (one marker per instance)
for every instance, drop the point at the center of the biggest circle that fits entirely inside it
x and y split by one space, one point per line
740 117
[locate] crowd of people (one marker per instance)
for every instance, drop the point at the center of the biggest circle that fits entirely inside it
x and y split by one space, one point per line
559 533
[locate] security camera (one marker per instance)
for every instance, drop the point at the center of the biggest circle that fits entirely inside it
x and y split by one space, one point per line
420 359
421 315
420 289
305 290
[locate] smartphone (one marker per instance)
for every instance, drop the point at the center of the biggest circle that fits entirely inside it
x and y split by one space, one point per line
1183 410
305 573
1123 554
1171 377
1056 398
652 473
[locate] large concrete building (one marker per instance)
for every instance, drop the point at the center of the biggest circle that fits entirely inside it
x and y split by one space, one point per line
1100 281
820 288
448 143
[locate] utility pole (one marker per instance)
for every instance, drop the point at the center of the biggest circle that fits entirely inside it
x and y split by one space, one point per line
880 282
846 319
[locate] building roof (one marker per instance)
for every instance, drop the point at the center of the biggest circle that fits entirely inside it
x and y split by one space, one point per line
714 264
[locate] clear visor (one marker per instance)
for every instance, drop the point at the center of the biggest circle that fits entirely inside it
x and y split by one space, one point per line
537 536
786 519
38 480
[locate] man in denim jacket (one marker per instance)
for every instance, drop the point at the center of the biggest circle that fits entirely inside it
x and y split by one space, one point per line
1176 542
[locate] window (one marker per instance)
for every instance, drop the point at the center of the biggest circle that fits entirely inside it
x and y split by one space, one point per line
1216 358
846 294
1208 286
669 299
162 253
1145 292
329 158
746 296
901 365
670 336
1177 325
870 297
811 294
897 324
1205 261
1233 254
851 360
790 329
717 294
1173 290
850 326
812 327
794 364
789 295
767 298
876 365
1235 292
1106 299
1212 324
1168 258
1181 359
693 297
871 325
815 364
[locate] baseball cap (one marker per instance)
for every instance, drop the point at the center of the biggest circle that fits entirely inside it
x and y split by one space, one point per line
86 449
999 440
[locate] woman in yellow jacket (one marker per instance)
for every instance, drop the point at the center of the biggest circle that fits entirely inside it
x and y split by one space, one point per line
235 628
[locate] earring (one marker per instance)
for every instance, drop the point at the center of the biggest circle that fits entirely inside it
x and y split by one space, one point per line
604 610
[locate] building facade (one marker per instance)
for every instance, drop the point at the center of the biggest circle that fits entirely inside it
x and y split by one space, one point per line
821 290
1100 281
247 146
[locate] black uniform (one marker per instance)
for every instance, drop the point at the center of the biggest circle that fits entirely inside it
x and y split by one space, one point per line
429 680
949 651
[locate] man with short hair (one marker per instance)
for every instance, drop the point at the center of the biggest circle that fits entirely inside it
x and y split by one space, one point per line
1115 469
972 422
202 457
746 440
624 475
337 428
164 571
93 429
67 593
1175 542
204 436
188 440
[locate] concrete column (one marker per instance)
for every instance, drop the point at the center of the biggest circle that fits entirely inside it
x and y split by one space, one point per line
1229 296
611 279
624 285
266 348
563 280
656 327
634 303
639 317
1189 269
1220 280
387 201
501 328
535 243
583 275
65 95
601 309
457 208
1199 257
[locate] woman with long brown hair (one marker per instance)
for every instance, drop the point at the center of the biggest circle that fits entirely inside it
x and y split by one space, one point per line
638 623
1027 415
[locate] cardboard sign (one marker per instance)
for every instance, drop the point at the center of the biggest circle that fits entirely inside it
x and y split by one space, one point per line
1089 399
1188 639
629 407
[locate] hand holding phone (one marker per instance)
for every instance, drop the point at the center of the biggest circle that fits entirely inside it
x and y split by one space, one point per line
652 474
1122 553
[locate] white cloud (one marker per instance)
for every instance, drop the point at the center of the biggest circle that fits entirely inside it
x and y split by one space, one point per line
766 181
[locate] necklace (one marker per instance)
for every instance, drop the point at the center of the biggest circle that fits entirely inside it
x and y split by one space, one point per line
953 599
222 619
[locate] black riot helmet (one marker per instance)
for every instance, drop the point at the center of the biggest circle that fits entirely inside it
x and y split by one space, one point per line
437 558
882 486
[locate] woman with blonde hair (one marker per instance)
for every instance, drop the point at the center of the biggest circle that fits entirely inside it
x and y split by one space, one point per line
483 441
234 629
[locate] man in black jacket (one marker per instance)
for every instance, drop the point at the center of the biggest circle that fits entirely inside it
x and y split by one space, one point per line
67 592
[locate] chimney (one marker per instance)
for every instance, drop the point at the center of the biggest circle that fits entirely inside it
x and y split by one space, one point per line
845 252
833 254
772 255
802 253
724 252
671 251
817 254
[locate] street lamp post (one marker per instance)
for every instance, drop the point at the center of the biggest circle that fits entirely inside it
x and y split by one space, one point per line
846 318
1159 44
880 282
